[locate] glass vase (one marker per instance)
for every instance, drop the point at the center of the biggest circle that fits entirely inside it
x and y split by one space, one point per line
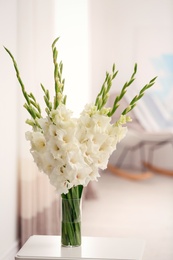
71 214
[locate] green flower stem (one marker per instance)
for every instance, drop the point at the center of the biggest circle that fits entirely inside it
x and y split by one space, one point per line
47 100
31 104
103 96
138 97
123 92
71 217
104 92
34 109
59 83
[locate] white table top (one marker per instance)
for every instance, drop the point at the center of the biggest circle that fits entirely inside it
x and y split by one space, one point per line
49 248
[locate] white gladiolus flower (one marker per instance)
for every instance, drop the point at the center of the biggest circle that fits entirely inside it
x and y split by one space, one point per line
94 174
49 163
102 160
89 110
54 147
100 122
45 162
44 123
38 141
53 130
62 115
38 159
74 159
120 132
65 135
58 180
81 177
71 151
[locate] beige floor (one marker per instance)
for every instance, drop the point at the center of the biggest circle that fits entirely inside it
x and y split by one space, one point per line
125 208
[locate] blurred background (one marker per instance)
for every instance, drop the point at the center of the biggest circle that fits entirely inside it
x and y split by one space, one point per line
94 34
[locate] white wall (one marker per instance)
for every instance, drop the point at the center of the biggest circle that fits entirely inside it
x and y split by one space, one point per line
72 28
8 132
115 30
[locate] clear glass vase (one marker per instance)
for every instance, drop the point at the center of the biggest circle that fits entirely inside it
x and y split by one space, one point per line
71 214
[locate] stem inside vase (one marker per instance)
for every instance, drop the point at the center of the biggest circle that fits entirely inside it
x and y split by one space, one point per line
71 217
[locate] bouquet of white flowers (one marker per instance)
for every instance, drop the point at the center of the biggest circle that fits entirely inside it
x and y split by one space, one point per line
72 150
